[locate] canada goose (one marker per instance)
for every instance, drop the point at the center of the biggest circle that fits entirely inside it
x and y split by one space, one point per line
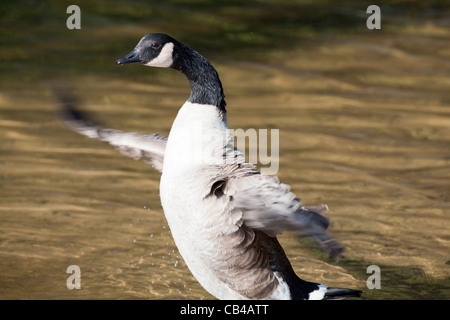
223 214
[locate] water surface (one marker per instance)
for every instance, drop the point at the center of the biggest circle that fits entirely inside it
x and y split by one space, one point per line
364 119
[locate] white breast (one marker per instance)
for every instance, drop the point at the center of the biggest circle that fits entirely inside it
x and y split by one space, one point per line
194 147
197 138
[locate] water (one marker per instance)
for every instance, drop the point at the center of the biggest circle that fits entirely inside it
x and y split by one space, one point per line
364 119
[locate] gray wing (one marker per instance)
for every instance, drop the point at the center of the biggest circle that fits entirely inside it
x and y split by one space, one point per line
269 206
148 147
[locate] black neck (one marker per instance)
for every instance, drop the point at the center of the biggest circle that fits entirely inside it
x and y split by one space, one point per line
206 87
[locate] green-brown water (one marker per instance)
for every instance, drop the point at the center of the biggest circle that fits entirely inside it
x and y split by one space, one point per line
364 119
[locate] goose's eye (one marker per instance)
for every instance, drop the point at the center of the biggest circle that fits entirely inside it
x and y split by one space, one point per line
155 45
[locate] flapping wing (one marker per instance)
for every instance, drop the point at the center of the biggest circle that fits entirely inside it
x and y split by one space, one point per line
148 147
269 206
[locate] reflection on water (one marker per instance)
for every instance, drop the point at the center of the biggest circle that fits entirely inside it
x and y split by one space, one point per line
364 123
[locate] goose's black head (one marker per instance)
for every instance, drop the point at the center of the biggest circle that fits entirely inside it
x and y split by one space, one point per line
154 50
161 50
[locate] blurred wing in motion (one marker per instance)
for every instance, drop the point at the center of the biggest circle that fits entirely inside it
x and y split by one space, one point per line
148 147
266 204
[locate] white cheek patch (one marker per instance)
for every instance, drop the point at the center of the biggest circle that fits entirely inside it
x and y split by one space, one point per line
164 59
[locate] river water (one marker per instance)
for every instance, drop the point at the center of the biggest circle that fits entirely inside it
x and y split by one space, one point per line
364 126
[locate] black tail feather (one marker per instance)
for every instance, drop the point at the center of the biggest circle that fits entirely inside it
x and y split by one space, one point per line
341 293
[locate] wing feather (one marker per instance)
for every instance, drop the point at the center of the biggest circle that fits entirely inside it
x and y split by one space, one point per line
268 205
148 147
